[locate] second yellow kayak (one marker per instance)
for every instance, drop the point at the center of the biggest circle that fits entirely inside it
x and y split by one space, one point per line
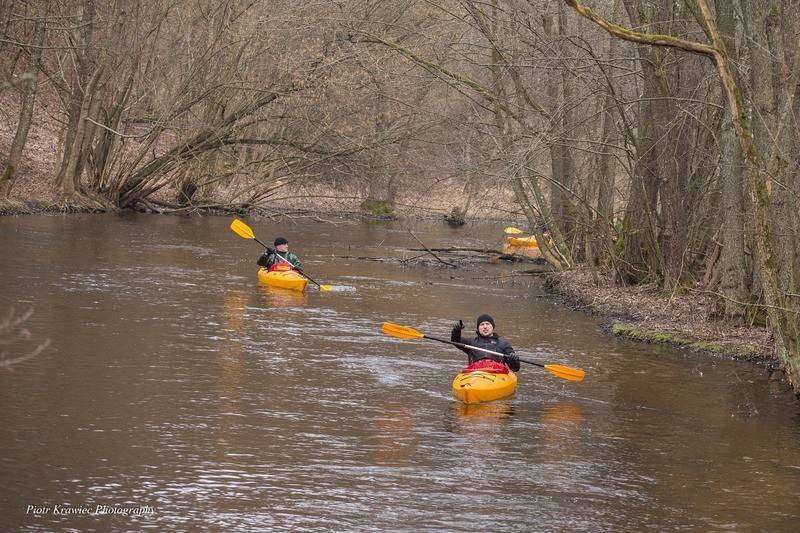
284 279
529 242
477 386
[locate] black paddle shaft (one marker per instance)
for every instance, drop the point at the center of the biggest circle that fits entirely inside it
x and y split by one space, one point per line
259 242
467 346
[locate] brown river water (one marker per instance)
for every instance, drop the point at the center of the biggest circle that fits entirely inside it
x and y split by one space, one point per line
179 389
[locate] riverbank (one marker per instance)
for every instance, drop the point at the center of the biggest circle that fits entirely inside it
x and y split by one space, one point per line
18 206
646 314
14 206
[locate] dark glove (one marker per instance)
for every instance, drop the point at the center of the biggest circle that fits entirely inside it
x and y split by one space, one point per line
270 250
512 361
455 334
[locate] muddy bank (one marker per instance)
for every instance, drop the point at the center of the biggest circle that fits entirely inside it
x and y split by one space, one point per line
21 206
10 207
646 314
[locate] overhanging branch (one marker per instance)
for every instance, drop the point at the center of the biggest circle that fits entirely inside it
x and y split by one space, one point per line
655 39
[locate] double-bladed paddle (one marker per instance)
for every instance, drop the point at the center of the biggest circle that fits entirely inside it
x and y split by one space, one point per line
243 230
405 332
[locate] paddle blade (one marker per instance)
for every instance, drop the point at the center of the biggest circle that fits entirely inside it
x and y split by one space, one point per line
324 288
512 231
565 372
401 332
242 230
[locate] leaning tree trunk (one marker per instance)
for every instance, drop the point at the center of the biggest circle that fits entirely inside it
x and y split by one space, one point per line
550 254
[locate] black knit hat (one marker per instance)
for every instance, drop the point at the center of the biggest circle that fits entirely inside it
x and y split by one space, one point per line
281 240
485 318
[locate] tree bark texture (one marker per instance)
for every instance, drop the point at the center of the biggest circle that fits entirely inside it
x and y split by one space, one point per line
28 94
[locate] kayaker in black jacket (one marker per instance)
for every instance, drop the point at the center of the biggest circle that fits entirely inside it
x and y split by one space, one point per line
488 340
270 260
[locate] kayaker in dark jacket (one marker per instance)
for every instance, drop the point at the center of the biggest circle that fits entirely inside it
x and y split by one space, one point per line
271 261
488 340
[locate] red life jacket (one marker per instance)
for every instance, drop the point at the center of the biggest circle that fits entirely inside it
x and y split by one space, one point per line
280 267
486 365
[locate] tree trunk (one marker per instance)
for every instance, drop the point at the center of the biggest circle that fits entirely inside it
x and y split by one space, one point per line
380 191
731 264
77 94
84 132
640 254
780 162
27 103
795 170
605 165
568 209
561 165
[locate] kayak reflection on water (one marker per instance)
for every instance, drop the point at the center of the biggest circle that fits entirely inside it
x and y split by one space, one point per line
560 413
492 411
235 303
274 297
394 438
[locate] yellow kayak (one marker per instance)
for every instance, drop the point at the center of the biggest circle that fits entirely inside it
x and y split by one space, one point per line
284 279
528 242
477 386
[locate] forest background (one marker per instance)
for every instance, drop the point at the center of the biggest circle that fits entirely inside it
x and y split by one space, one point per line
657 140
